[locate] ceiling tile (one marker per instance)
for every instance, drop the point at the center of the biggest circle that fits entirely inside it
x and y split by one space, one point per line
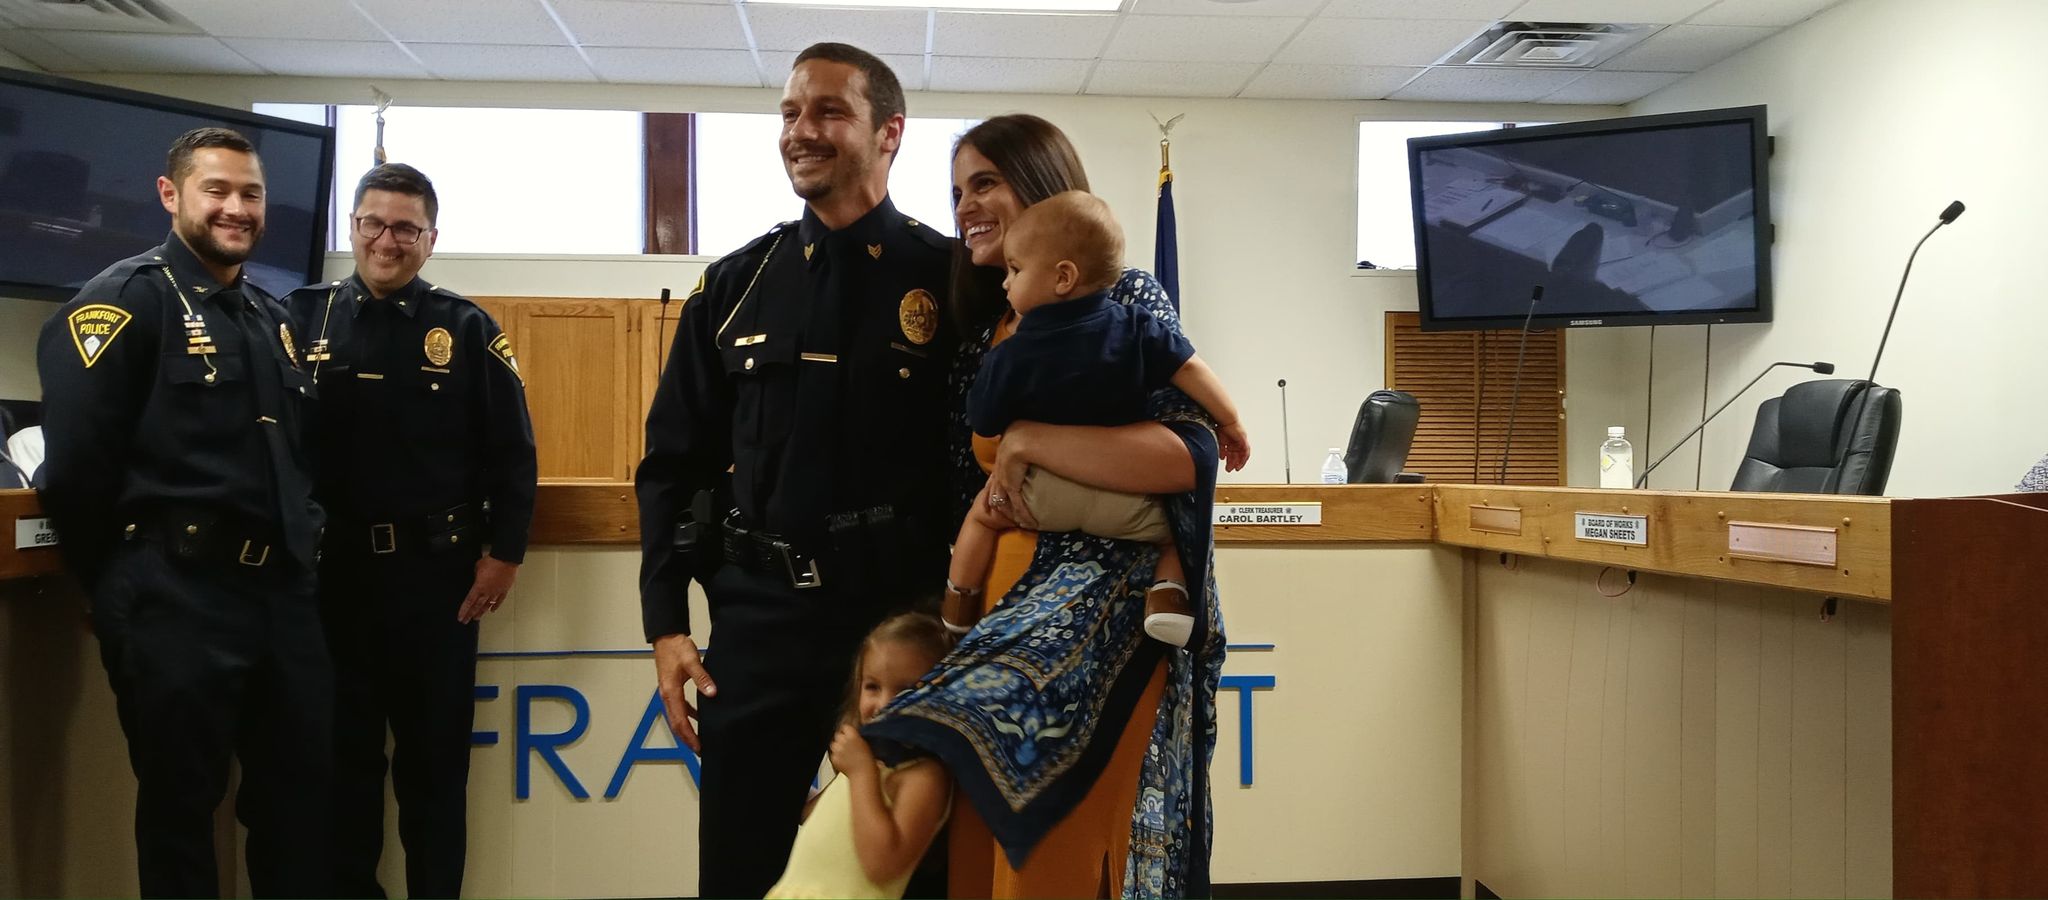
1204 38
644 65
73 15
1008 76
612 23
487 62
1378 42
1490 10
1662 12
1475 85
41 53
466 21
1169 79
1610 88
328 59
1760 13
1688 48
775 66
878 31
1296 8
330 21
151 53
1283 81
1025 36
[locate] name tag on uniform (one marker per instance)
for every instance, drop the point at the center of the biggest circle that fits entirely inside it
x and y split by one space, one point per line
30 533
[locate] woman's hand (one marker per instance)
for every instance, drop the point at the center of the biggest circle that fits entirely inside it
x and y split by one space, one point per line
1006 481
851 753
1233 446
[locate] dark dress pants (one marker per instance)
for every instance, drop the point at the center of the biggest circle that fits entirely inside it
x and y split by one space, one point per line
211 661
402 662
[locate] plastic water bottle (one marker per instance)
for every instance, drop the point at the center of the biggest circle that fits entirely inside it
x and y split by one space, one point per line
1333 467
1617 460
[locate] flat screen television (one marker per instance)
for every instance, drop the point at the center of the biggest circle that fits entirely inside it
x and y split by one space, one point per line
78 170
1649 220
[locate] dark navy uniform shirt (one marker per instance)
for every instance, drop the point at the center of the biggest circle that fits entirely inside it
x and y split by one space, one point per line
422 409
134 423
813 364
1085 361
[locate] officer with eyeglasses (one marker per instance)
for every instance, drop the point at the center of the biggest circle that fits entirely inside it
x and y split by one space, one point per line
426 457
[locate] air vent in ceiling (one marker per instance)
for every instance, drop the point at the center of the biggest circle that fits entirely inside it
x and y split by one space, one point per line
95 15
1548 45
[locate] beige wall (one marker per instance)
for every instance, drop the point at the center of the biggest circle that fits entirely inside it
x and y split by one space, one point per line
1871 146
1685 739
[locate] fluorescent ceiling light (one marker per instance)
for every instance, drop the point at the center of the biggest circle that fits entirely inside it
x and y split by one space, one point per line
1035 6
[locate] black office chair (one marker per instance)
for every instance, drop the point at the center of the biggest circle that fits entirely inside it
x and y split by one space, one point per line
1823 437
1381 436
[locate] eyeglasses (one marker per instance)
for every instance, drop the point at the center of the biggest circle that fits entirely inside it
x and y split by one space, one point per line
372 228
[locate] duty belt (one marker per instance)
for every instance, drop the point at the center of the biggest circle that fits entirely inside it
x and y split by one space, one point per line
206 536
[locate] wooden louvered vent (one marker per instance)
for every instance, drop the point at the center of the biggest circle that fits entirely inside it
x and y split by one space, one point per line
1464 380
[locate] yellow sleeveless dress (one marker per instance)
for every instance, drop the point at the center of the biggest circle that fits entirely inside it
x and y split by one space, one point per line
823 863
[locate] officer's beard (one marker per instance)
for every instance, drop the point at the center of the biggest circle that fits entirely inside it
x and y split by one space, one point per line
198 236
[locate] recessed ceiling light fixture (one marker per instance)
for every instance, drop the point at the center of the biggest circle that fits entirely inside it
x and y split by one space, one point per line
1016 6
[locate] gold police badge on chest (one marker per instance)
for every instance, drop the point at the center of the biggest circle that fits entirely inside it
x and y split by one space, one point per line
284 336
440 346
919 316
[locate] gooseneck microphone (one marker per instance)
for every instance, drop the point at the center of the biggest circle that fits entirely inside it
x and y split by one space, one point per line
1824 368
1286 447
1953 212
1515 395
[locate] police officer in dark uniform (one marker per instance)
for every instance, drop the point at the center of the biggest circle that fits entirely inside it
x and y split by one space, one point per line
427 455
178 476
812 362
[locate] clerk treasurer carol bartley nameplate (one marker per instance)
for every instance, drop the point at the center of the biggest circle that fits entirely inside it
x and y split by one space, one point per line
1269 514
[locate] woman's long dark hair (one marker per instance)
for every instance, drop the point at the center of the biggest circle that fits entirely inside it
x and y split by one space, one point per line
1037 161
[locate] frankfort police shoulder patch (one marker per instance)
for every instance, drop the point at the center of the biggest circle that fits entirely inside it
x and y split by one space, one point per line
94 327
501 347
919 316
440 346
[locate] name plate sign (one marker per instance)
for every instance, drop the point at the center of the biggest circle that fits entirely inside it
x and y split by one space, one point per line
30 533
1611 529
1269 514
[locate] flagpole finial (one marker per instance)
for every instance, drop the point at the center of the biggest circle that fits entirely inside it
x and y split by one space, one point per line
383 103
1166 144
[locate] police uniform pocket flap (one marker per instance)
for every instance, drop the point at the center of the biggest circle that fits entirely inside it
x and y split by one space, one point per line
453 539
749 354
211 368
298 381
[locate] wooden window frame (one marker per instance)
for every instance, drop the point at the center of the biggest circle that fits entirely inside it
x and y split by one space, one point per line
669 141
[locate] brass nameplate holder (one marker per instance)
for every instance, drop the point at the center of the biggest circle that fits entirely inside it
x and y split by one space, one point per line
1497 520
1806 545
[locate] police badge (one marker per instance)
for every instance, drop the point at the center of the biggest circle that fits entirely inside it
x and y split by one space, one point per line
919 316
440 346
284 336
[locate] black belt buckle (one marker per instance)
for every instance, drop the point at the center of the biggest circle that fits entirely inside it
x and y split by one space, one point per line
383 539
253 554
802 571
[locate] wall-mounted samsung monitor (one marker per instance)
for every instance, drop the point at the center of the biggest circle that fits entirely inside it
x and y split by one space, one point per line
1651 220
78 170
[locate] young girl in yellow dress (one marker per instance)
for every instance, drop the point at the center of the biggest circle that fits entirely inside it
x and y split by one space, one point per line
869 827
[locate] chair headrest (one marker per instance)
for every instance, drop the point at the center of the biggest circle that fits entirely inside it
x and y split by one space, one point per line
1813 417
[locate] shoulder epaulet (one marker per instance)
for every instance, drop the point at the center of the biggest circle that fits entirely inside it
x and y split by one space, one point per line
440 291
317 287
929 235
760 244
119 274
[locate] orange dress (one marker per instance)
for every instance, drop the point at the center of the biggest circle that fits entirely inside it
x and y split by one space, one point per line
1085 854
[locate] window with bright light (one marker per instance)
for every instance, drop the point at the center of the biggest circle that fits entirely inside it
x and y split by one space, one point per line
742 190
1386 217
510 181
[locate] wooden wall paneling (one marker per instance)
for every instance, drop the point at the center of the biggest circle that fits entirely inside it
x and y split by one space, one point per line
655 333
1465 381
582 385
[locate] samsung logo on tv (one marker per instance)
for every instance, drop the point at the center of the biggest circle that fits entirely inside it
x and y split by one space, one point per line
1578 322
